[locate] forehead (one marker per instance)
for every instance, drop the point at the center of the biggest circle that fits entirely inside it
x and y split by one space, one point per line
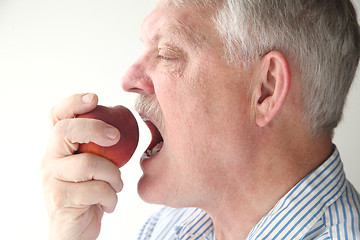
187 24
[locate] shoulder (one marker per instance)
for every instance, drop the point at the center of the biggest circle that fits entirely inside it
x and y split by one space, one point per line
341 220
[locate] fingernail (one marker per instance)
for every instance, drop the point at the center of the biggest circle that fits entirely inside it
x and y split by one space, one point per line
88 98
111 132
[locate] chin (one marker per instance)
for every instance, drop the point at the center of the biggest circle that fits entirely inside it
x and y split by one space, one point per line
150 191
155 192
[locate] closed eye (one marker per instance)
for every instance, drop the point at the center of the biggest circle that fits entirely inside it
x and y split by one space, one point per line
164 58
168 53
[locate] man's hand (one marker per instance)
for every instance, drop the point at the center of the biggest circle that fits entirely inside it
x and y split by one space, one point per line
78 187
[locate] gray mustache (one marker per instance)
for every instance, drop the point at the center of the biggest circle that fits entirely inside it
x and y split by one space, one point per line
149 106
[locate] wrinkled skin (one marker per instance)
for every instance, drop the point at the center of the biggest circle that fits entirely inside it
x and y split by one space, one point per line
78 188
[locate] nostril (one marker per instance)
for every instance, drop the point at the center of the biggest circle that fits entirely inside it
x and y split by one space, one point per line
137 90
138 85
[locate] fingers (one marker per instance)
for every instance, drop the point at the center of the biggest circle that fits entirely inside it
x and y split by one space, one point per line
85 167
84 195
72 106
78 188
68 133
92 193
78 182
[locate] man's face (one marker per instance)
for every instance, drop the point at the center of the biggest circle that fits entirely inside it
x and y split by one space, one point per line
203 103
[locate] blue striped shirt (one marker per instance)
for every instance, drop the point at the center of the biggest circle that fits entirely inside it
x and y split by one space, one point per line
324 205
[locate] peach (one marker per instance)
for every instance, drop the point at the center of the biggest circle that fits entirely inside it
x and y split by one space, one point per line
121 118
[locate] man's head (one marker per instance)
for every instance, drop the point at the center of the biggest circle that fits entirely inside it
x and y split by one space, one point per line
320 37
219 77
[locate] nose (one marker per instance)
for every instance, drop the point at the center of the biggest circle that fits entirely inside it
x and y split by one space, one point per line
137 79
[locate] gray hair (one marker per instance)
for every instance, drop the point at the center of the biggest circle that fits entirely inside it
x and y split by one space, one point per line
322 37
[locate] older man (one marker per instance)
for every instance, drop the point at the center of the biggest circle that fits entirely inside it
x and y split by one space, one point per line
242 97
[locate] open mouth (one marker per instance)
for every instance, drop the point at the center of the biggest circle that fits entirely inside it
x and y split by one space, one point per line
157 140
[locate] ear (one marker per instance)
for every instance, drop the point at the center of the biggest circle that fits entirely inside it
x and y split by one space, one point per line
272 88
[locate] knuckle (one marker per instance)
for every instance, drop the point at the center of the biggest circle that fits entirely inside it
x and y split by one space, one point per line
88 124
64 129
75 96
61 127
103 190
87 162
56 195
94 124
102 187
58 201
46 170
62 142
58 110
72 99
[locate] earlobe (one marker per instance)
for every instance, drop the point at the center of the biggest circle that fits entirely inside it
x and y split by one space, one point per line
272 88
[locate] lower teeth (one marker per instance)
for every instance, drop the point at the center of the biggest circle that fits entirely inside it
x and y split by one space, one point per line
154 150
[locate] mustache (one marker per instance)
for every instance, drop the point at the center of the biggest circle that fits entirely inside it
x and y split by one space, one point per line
150 107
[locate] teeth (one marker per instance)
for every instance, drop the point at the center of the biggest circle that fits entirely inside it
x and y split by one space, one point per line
155 150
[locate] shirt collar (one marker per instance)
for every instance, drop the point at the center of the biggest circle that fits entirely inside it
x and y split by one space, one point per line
294 215
197 226
297 212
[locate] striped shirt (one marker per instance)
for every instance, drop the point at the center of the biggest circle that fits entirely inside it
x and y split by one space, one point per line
324 205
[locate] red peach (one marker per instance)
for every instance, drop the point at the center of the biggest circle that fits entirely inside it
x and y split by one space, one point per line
121 118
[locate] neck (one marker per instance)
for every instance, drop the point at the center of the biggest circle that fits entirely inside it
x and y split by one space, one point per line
257 185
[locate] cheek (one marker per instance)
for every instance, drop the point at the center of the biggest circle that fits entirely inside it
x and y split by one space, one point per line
189 133
183 118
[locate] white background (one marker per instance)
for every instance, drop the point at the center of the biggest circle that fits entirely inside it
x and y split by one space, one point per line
50 49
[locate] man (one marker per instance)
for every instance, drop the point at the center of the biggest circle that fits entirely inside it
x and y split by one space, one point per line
242 97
